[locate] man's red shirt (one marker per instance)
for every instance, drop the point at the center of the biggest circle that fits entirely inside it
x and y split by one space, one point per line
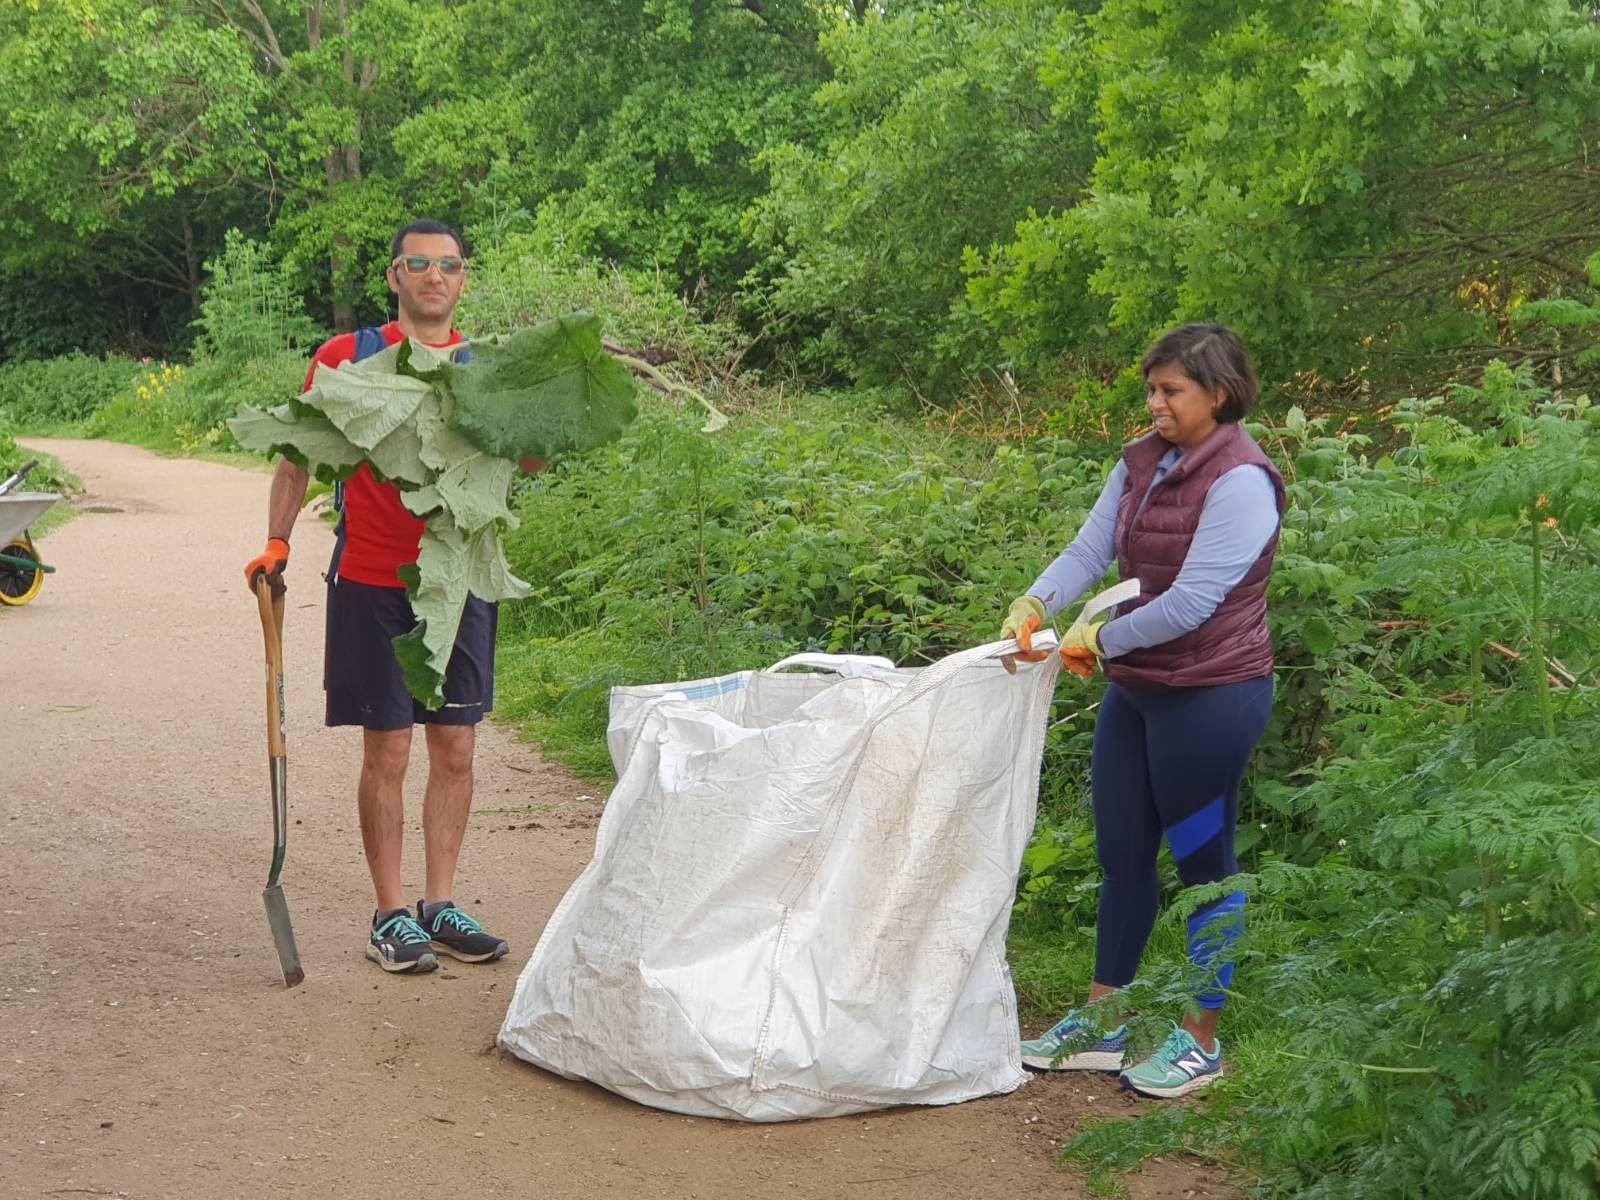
381 535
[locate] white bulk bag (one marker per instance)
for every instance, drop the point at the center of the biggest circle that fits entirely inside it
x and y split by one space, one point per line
800 891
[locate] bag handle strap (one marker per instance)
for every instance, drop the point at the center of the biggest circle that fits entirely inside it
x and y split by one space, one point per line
848 665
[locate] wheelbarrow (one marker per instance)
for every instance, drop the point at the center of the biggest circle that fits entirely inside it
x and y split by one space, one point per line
21 572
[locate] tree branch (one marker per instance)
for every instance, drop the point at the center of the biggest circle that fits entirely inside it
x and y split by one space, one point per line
269 35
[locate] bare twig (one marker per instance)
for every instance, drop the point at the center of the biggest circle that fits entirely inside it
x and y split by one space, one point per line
1563 680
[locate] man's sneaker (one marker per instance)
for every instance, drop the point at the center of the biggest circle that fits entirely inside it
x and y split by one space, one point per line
458 934
1178 1068
399 944
1072 1044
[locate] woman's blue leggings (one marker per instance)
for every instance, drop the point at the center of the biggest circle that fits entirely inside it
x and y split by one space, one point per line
1169 761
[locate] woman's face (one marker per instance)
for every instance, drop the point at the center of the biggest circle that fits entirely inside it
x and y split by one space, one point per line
1184 412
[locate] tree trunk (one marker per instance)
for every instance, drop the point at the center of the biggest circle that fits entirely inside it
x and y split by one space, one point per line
191 264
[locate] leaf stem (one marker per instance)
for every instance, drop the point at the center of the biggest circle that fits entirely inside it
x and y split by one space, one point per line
1369 1066
716 419
1541 679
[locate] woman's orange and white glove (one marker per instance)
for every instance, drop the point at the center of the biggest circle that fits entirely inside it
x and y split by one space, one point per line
1081 651
1024 619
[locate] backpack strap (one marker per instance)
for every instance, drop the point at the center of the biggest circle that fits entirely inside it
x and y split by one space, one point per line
369 341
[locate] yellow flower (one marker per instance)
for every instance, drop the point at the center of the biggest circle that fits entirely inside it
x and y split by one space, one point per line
1551 523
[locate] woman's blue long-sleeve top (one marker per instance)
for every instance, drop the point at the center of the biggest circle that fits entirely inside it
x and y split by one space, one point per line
1240 515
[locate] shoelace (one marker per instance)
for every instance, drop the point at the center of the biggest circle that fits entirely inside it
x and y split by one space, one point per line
457 919
1068 1027
403 929
1174 1048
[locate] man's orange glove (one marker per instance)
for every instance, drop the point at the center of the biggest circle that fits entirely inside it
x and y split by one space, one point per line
270 562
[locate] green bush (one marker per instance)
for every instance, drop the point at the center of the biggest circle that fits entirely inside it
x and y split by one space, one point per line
520 280
674 555
48 476
47 393
936 138
250 311
183 409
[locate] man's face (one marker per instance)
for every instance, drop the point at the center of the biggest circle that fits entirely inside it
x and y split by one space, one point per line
431 295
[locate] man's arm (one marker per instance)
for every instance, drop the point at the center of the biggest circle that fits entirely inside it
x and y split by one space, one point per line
284 498
288 493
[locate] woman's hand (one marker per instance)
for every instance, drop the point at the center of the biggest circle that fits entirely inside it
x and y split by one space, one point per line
1080 648
1025 617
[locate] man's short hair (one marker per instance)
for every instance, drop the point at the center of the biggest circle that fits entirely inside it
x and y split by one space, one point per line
425 225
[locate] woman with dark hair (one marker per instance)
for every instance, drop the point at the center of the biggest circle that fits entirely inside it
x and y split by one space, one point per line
1192 511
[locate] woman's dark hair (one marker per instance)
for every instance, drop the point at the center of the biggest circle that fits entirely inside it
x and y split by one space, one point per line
425 225
1214 357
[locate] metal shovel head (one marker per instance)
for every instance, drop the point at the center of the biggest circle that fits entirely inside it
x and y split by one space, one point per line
283 935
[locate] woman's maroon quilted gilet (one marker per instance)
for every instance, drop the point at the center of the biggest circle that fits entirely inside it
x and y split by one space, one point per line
1231 645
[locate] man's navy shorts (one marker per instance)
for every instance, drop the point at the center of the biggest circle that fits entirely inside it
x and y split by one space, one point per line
362 677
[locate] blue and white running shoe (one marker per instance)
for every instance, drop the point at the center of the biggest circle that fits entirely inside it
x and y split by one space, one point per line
1072 1044
1179 1067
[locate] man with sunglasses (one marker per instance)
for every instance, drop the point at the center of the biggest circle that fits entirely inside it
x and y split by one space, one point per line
367 607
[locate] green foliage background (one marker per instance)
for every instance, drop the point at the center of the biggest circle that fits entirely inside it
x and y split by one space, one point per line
965 199
916 249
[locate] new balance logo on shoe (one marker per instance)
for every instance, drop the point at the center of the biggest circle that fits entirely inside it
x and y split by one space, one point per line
1192 1063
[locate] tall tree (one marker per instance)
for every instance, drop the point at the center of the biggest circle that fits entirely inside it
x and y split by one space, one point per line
144 130
336 84
130 130
937 138
634 131
1358 186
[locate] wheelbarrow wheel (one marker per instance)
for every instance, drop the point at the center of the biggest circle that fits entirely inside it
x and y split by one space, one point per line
18 585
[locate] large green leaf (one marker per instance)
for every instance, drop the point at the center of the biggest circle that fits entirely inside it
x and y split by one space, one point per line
448 567
546 390
311 442
436 585
366 402
399 457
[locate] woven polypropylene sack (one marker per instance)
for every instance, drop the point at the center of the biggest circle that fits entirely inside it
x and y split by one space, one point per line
800 891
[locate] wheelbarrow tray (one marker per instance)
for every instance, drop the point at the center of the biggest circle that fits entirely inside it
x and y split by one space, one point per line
18 510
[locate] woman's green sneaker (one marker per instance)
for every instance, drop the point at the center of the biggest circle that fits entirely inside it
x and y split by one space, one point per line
1072 1044
1178 1068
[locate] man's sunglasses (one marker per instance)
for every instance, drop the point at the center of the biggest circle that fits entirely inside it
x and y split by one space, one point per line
418 264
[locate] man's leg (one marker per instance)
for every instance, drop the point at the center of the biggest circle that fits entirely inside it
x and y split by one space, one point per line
384 756
445 810
446 805
469 694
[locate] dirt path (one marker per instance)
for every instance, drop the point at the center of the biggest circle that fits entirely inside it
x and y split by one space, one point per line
148 1047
